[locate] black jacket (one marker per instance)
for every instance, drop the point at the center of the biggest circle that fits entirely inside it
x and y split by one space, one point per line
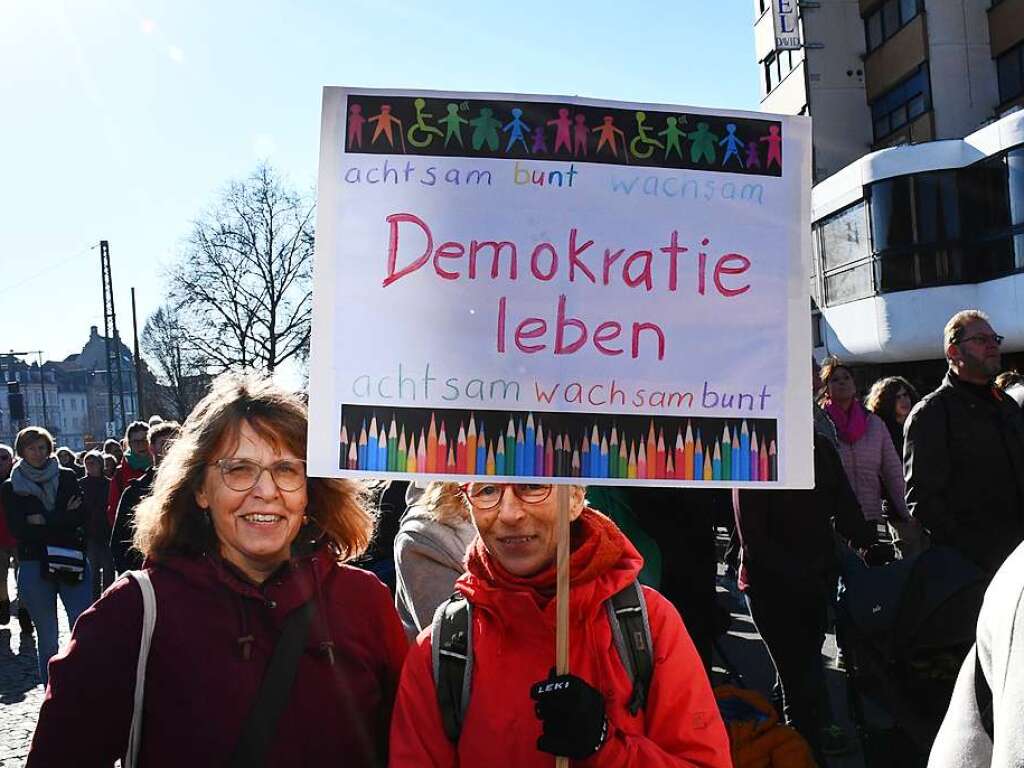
64 527
94 496
126 558
787 535
963 457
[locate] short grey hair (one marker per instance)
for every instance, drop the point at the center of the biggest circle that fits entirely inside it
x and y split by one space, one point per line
957 323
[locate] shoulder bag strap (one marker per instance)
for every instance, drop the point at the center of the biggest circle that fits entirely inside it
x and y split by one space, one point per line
131 759
260 726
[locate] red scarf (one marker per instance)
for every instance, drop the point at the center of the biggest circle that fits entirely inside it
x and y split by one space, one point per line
596 545
850 425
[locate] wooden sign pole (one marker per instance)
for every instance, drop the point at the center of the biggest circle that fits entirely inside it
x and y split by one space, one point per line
562 593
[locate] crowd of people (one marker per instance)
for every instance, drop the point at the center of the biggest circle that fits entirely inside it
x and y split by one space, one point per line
67 522
251 627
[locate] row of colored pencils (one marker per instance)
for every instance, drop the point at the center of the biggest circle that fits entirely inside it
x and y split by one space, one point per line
525 449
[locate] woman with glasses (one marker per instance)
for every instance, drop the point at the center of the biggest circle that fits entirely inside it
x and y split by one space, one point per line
513 710
267 650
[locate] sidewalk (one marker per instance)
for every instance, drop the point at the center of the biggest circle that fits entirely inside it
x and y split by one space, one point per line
21 695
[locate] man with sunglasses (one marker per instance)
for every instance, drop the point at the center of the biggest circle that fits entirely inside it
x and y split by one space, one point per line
964 450
503 705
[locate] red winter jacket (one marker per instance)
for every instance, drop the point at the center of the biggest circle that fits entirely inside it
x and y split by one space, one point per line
213 639
123 475
514 647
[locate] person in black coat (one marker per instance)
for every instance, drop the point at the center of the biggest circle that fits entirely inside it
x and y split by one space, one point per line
47 519
963 453
95 489
788 573
125 557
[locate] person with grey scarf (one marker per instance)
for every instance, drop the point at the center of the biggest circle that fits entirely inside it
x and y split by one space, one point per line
46 517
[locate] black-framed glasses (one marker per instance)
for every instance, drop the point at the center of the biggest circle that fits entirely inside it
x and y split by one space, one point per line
243 474
489 495
985 338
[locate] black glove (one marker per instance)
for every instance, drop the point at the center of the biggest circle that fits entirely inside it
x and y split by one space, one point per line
572 714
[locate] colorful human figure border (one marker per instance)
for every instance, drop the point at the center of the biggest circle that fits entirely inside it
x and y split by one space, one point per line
554 131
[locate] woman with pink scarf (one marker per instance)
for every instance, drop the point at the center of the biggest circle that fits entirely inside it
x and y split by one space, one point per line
866 450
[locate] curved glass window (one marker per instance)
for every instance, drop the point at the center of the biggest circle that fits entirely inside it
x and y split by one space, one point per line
926 229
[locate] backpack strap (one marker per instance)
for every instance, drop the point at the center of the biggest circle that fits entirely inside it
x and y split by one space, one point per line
983 696
131 758
451 641
631 630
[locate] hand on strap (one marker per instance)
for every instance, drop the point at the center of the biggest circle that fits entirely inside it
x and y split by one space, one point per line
572 713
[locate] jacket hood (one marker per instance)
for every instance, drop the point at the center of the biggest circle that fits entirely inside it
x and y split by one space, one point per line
296 582
603 562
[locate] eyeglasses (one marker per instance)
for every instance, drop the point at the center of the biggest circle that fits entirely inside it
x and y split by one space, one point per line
243 474
985 338
489 495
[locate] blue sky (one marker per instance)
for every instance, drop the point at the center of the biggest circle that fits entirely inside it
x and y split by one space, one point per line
123 120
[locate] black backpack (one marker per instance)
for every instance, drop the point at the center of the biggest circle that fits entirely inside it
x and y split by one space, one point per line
452 652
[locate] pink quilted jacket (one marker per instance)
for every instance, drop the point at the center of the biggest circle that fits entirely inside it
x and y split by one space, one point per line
869 463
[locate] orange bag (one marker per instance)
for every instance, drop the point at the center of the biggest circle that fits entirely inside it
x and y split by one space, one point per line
757 738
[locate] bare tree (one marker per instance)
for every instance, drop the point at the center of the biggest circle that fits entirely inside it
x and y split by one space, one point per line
243 284
181 375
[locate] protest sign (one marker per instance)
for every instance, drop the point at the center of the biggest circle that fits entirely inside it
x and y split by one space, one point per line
533 286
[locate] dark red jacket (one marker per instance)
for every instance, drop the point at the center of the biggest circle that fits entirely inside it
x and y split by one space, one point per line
514 647
203 673
7 541
123 475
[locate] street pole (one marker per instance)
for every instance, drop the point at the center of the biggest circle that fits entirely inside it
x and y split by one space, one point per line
42 385
138 362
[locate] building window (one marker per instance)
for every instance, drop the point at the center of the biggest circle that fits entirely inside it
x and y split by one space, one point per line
843 255
1010 73
888 19
849 284
901 103
776 66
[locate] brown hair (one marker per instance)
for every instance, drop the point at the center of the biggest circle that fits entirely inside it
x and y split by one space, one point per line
881 399
165 429
1008 379
30 435
829 366
169 520
445 502
951 333
133 427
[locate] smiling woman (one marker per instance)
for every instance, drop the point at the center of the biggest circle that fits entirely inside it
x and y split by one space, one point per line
239 542
520 713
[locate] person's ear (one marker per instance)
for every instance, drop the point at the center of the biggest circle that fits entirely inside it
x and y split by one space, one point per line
953 353
202 501
577 500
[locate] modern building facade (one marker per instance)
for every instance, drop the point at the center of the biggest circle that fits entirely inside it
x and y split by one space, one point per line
880 73
918 203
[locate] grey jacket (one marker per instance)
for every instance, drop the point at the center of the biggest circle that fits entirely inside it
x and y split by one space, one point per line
429 557
962 741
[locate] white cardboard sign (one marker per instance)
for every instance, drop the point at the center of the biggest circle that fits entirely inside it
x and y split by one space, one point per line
526 286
